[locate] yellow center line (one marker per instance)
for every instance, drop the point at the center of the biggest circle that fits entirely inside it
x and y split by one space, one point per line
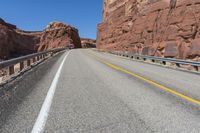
147 80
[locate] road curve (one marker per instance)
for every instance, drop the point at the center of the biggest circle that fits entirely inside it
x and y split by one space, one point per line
92 96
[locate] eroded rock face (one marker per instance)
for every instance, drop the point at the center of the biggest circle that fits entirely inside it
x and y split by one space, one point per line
15 42
88 43
166 28
58 35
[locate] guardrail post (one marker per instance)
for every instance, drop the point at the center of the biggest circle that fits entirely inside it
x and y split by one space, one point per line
21 66
196 68
164 62
178 65
34 60
38 58
28 62
11 70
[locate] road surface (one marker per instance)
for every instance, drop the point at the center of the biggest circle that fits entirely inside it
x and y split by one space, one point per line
91 92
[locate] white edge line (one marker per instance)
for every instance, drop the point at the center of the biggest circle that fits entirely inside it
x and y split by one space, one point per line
44 112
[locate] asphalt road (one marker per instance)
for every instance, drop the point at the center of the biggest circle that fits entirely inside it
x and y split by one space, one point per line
95 93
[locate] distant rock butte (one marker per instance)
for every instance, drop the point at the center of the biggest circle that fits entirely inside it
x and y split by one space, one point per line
15 42
57 35
88 43
165 28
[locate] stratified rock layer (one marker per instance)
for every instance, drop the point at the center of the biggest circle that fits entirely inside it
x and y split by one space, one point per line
15 42
88 43
166 28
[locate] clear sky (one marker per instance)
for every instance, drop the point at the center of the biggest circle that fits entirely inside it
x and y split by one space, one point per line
34 15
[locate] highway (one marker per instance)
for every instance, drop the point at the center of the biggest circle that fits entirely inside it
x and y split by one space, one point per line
84 91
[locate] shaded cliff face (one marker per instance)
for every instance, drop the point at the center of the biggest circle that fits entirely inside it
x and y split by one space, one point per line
15 42
88 43
166 28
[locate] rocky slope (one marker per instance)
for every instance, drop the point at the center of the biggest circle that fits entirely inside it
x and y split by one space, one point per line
88 43
15 42
166 28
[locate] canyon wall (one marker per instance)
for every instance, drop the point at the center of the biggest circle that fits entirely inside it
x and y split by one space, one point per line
15 42
165 28
88 43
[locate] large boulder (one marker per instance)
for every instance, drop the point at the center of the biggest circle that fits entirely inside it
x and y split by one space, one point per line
194 49
171 49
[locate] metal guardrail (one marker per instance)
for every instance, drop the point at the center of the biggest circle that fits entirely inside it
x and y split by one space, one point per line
36 57
178 62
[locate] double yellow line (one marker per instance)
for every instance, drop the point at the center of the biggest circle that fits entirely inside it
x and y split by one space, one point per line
148 81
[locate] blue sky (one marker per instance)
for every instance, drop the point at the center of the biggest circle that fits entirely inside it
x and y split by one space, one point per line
34 15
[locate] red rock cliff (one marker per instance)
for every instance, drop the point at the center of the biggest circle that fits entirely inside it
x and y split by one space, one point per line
166 28
58 35
15 42
88 43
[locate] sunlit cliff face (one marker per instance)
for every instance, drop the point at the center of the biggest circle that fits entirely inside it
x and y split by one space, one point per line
167 1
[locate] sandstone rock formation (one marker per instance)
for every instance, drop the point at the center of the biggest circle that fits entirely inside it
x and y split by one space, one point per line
58 35
15 42
166 28
88 43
